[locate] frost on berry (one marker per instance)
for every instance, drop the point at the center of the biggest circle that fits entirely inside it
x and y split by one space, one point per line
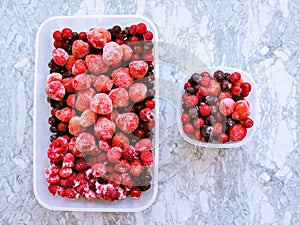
237 132
128 152
241 110
60 56
85 142
120 140
138 69
136 167
127 122
121 77
101 104
119 97
72 148
98 170
70 62
147 158
127 52
74 126
54 77
81 82
122 166
65 172
103 83
137 92
68 160
87 118
65 114
80 48
104 145
84 99
55 90
104 128
112 53
226 106
79 67
146 114
114 154
68 84
81 164
99 37
144 144
57 149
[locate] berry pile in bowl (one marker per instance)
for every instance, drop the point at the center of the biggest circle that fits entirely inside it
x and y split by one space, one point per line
100 87
218 107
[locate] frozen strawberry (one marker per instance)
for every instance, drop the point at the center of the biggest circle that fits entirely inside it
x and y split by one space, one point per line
85 142
60 56
96 64
70 62
80 48
119 97
81 82
65 114
101 104
79 67
237 132
121 77
147 158
137 92
138 69
87 118
120 140
71 100
114 154
55 90
136 167
128 152
112 53
241 110
144 144
98 170
54 77
68 84
104 128
98 37
84 99
226 106
53 188
103 83
72 148
74 126
81 164
127 122
127 52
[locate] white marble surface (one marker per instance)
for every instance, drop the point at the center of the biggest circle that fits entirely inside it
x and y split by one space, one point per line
255 184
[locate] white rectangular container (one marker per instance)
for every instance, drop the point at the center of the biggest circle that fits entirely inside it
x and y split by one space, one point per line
44 48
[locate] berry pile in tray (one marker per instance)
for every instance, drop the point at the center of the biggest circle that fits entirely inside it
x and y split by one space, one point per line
101 90
215 108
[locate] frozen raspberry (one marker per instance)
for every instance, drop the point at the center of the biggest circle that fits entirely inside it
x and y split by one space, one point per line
218 129
85 142
223 138
87 118
79 67
114 154
74 126
89 194
188 128
121 77
84 99
57 149
136 167
147 158
52 188
119 97
60 56
98 170
146 114
112 53
52 178
103 83
122 166
138 69
246 88
68 84
81 82
80 48
191 100
127 122
99 37
185 118
236 90
235 77
248 123
214 88
127 52
96 64
55 90
226 106
104 128
126 180
120 140
65 114
241 110
143 145
225 94
237 132
68 160
61 192
81 164
198 122
70 62
204 109
135 193
70 193
65 172
101 104
128 152
54 77
109 192
114 179
137 92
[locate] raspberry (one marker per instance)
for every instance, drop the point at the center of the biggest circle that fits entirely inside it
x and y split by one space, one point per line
226 106
141 28
85 142
66 33
112 53
137 92
60 56
150 104
103 83
57 35
65 114
127 52
223 138
80 48
237 132
198 122
65 172
248 123
52 188
143 145
114 179
101 104
236 90
79 67
204 109
241 110
120 140
121 77
246 88
88 118
84 99
235 77
68 84
70 193
135 193
81 82
55 90
146 114
188 128
138 69
70 62
61 191
96 64
185 118
218 129
81 164
136 168
104 128
98 170
53 178
127 122
62 127
225 94
74 125
214 88
148 35
191 100
71 100
114 154
99 37
109 192
57 150
68 160
119 97
54 77
128 152
147 158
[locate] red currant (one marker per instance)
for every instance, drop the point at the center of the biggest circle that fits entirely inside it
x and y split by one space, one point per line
150 104
141 28
66 33
235 77
148 35
57 35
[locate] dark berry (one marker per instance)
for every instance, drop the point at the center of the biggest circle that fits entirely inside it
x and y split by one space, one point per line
193 112
191 90
53 129
225 85
145 187
196 77
148 45
230 122
210 120
53 137
52 120
219 76
207 132
210 100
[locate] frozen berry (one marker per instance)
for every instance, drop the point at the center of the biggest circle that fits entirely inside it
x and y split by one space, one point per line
136 168
57 35
66 33
237 132
236 90
70 62
219 75
62 127
127 122
135 193
54 77
74 126
248 122
65 172
65 114
112 53
98 170
235 77
218 129
68 84
55 90
191 100
204 109
225 94
82 35
246 88
207 132
84 99
241 110
223 138
80 48
85 142
60 56
127 52
205 81
88 118
103 83
226 106
81 82
137 92
188 128
214 88
198 122
148 35
114 154
146 114
95 64
143 145
141 28
128 152
185 118
226 85
79 67
121 77
101 104
147 158
119 97
120 140
104 128
138 69
98 37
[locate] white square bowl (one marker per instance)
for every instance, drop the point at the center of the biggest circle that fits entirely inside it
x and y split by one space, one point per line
44 48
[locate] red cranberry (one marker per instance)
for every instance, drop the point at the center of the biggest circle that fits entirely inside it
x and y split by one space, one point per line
58 44
236 90
185 118
132 29
246 88
204 109
66 33
148 35
198 122
188 128
223 138
141 28
57 35
248 122
235 77
82 36
135 192
150 104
